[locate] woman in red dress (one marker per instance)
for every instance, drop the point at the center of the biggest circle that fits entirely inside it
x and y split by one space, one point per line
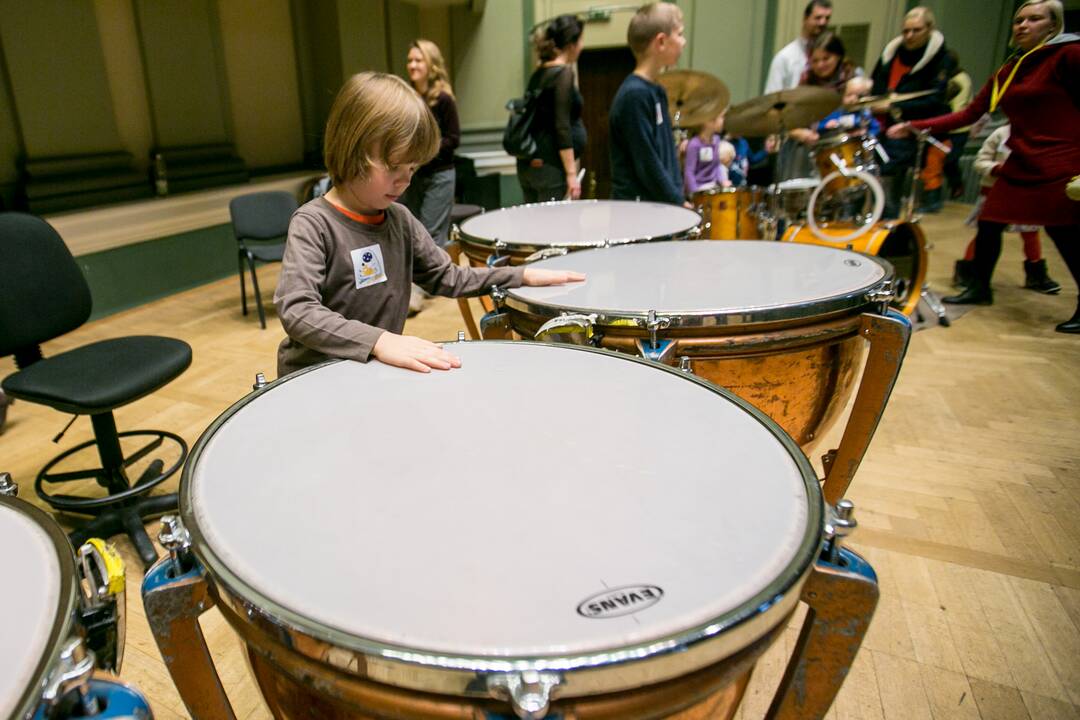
1038 88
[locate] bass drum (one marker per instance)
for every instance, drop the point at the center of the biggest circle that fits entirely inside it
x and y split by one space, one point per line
902 244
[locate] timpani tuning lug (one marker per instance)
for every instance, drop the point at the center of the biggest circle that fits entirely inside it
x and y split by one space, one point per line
8 487
72 673
684 365
175 538
529 691
260 381
841 523
461 336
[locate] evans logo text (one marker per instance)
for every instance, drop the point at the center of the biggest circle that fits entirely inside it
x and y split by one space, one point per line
620 601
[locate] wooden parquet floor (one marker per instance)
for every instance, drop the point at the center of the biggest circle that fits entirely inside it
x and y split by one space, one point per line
968 501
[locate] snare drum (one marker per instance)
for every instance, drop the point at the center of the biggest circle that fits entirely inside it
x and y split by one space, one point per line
852 152
628 569
730 213
781 327
53 627
901 243
517 234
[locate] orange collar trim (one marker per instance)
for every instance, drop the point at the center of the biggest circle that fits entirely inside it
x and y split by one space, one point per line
366 219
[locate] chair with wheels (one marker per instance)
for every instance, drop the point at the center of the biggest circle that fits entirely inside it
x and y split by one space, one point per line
43 295
260 222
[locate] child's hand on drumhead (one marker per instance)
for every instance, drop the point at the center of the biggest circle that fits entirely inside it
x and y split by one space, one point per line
413 353
535 277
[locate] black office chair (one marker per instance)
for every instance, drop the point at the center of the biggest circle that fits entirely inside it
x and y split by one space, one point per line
43 295
260 222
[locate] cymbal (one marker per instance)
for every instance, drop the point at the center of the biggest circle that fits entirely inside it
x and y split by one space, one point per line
694 97
781 111
882 103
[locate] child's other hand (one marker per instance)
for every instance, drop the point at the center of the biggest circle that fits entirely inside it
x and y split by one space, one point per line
535 277
832 124
413 353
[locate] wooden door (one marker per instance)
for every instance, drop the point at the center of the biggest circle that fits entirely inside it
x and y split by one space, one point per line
600 73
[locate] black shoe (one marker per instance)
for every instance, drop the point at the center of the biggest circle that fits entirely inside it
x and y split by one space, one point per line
956 192
963 273
1072 325
1037 279
932 202
974 294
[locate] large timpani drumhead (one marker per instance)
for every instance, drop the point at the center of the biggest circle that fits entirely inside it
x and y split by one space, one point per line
580 224
37 567
591 527
708 283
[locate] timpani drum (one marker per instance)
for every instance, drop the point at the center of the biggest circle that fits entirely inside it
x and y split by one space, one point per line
781 325
527 232
730 213
62 623
609 562
901 243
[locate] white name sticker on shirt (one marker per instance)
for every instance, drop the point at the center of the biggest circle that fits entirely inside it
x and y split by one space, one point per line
368 266
659 114
705 154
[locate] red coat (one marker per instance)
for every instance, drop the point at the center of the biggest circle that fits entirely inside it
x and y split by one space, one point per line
1043 106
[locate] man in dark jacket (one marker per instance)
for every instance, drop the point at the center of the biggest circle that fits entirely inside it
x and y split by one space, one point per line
917 60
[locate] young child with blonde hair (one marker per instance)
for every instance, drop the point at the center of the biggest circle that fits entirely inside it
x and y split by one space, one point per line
352 254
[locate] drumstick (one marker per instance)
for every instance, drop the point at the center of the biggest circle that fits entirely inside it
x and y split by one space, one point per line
580 175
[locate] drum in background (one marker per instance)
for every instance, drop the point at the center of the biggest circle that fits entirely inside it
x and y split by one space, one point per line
789 199
62 621
598 578
781 325
517 234
844 151
730 213
901 243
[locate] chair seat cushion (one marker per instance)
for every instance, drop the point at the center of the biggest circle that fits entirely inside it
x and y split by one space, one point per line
266 253
99 377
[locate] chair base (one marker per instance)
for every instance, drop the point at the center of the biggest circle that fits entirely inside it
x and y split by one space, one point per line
123 508
128 519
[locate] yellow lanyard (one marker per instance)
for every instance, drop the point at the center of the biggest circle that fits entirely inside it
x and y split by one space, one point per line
999 92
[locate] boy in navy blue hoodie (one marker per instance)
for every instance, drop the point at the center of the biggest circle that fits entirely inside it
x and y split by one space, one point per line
644 162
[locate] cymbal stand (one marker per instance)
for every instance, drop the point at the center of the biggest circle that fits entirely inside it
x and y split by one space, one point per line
922 137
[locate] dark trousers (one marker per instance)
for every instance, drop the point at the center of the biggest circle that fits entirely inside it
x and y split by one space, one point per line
541 183
988 248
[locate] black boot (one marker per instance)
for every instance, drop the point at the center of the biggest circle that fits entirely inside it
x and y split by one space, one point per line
977 293
963 273
1037 279
1072 325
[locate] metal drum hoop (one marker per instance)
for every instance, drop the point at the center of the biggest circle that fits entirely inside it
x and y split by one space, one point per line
467 238
599 672
66 602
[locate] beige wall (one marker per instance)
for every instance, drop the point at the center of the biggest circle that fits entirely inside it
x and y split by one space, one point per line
124 72
488 57
260 63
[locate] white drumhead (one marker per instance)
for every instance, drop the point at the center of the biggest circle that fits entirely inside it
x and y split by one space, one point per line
473 512
587 223
807 183
715 277
31 573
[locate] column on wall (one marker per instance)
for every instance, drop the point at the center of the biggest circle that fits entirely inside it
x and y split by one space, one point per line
188 94
69 152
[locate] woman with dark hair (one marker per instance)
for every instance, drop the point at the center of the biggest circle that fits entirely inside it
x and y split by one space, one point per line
552 174
1038 88
828 68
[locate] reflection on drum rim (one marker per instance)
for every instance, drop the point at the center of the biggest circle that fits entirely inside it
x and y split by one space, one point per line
737 627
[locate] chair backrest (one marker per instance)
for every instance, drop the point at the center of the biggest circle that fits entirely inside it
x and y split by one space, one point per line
43 293
262 215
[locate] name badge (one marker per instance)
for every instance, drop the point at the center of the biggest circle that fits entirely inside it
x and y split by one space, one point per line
368 267
659 114
705 154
